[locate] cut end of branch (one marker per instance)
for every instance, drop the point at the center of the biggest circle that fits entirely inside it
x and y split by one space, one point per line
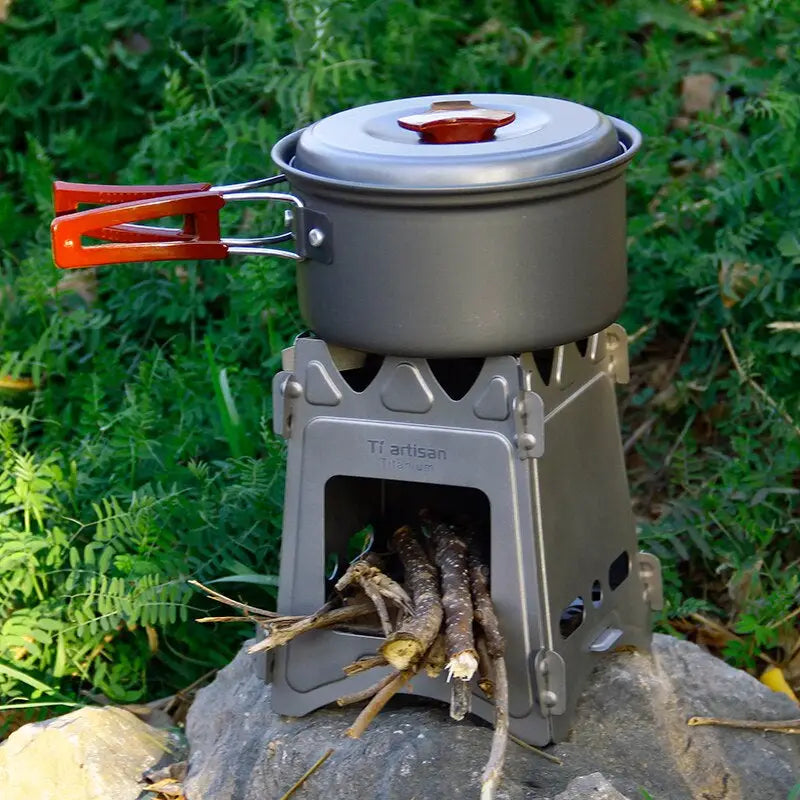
402 650
462 665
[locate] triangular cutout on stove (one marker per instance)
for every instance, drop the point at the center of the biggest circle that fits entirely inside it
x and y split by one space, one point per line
359 378
456 376
544 363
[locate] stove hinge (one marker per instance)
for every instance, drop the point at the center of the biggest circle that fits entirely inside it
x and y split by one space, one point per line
551 682
650 575
286 389
528 410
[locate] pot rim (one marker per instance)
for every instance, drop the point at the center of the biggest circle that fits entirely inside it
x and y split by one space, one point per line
629 137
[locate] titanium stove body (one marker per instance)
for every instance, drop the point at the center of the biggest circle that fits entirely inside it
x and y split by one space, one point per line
527 444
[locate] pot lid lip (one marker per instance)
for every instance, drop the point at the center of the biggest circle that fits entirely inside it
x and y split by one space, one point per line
366 145
629 142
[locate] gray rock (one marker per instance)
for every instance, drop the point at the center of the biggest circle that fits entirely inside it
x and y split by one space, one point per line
590 787
630 726
89 754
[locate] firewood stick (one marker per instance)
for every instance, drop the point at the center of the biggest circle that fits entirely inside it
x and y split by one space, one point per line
451 558
486 618
363 664
494 766
436 657
460 698
485 671
279 636
365 694
306 775
371 591
409 643
773 726
369 571
379 700
221 598
483 608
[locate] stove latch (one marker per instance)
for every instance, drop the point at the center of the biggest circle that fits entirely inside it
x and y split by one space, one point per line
285 390
528 410
551 682
650 575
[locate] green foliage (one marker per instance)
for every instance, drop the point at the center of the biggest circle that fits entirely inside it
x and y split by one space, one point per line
135 463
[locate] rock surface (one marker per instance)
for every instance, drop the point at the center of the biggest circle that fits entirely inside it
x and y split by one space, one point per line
630 726
89 754
590 787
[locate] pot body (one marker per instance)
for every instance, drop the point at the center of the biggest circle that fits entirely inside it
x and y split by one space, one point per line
469 272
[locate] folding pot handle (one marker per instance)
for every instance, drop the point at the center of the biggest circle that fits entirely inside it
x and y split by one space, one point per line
201 212
198 238
67 197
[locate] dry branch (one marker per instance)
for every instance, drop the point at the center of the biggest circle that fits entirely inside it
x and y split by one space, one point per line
369 712
409 643
494 766
365 694
221 598
485 669
363 664
307 774
279 635
773 726
460 699
483 608
486 618
366 573
451 558
436 657
376 598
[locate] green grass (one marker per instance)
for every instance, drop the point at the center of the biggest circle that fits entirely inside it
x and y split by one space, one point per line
144 455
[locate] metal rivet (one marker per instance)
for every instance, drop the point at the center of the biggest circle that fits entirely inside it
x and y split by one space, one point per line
549 699
527 441
316 237
292 388
288 217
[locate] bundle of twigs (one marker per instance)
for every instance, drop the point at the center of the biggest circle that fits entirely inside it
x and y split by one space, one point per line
441 618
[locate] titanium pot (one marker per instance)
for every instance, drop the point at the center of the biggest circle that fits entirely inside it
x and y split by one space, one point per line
442 226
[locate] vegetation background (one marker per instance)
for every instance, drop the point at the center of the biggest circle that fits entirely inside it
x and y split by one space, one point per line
135 443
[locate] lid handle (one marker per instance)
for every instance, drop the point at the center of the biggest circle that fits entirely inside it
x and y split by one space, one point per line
456 122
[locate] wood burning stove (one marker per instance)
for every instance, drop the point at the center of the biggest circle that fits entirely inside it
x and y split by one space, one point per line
525 446
462 264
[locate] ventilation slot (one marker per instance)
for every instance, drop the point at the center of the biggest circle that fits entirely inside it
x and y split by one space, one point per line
456 376
597 594
572 618
358 379
619 570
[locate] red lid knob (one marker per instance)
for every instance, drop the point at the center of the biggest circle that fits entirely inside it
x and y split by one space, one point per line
456 122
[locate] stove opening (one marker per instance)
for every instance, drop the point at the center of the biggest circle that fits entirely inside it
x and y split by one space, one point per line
362 513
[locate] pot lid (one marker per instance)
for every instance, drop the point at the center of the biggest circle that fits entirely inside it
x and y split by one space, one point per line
446 141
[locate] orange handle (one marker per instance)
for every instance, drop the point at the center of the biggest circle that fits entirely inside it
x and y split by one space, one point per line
67 197
456 122
199 237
